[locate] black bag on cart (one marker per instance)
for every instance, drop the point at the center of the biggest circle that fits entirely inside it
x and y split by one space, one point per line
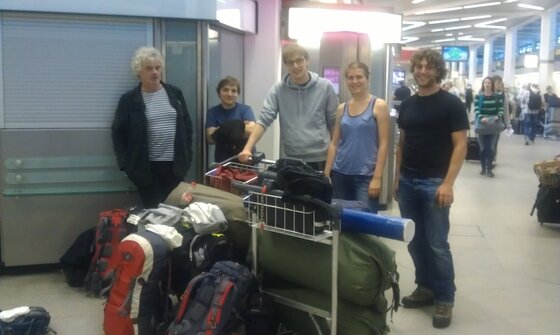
547 205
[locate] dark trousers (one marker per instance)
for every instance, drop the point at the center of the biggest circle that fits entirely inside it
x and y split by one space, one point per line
163 182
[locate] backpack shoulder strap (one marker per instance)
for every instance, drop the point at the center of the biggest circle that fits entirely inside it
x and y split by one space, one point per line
221 294
194 284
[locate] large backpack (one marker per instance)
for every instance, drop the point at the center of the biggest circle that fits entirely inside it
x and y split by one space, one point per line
214 301
111 229
35 321
140 288
535 101
77 259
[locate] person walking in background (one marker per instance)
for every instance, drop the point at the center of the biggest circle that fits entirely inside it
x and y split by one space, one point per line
468 98
229 124
500 92
307 107
359 147
431 150
152 131
402 92
523 98
488 108
534 104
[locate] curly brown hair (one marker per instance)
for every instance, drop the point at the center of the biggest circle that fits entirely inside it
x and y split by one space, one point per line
434 59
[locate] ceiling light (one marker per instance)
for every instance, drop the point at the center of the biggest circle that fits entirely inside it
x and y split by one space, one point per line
493 21
444 40
436 30
510 1
487 4
475 17
412 25
470 38
450 9
450 34
443 21
458 27
414 2
522 5
487 26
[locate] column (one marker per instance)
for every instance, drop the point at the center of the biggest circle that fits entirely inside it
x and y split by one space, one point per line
487 63
472 63
462 66
546 52
510 55
262 68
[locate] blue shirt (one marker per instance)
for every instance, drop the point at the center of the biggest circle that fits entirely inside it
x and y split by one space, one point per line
216 116
356 153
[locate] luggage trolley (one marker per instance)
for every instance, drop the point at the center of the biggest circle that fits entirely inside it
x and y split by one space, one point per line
316 222
249 173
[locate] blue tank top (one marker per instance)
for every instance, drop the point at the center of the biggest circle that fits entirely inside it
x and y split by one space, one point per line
356 152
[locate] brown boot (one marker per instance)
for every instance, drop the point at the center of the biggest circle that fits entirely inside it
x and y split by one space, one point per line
442 315
420 297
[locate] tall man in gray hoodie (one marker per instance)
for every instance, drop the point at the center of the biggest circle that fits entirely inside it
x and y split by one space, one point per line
307 107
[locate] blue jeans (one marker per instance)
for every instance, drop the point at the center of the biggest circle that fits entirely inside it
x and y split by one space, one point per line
351 187
429 248
530 126
487 145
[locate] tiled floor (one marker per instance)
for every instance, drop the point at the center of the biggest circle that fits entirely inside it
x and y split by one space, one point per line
507 265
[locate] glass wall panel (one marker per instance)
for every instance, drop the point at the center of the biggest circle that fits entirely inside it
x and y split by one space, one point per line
181 69
225 54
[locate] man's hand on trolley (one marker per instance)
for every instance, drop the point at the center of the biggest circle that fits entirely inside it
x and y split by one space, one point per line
245 156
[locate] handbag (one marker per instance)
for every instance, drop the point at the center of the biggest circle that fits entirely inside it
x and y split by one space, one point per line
494 124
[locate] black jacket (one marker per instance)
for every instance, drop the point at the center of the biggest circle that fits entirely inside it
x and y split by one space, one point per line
130 139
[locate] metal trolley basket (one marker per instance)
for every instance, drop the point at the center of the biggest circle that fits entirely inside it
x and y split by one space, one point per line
317 222
216 180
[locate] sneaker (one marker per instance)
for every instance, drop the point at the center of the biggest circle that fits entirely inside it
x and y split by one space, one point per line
490 174
420 297
442 315
526 142
483 172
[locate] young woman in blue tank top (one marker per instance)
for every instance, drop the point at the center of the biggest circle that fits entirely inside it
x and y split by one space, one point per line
360 142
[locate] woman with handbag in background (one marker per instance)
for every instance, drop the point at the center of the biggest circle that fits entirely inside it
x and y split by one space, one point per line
489 112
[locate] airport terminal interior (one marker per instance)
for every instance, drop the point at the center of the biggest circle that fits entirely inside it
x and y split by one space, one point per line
57 156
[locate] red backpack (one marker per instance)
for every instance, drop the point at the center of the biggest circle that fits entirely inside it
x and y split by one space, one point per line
111 229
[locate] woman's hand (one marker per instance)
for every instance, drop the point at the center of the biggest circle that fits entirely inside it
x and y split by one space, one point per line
374 189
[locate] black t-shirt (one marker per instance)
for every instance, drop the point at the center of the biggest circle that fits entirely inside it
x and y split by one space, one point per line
428 122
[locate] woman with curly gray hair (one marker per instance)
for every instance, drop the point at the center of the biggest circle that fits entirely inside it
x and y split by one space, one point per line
152 131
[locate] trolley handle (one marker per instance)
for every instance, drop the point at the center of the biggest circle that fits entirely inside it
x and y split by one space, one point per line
334 211
255 159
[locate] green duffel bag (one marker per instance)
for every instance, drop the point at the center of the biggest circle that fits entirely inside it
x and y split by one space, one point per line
352 319
366 266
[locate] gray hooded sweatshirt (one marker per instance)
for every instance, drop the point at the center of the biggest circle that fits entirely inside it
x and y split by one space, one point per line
307 113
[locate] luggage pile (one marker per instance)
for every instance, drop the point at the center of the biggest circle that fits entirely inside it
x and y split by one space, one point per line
181 271
547 202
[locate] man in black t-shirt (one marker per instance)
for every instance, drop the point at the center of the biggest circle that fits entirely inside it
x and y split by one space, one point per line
431 150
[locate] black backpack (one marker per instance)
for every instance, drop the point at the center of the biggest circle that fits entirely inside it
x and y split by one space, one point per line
535 101
215 301
35 322
296 179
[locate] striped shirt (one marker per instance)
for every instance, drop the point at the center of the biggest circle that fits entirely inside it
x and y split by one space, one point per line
161 124
492 105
